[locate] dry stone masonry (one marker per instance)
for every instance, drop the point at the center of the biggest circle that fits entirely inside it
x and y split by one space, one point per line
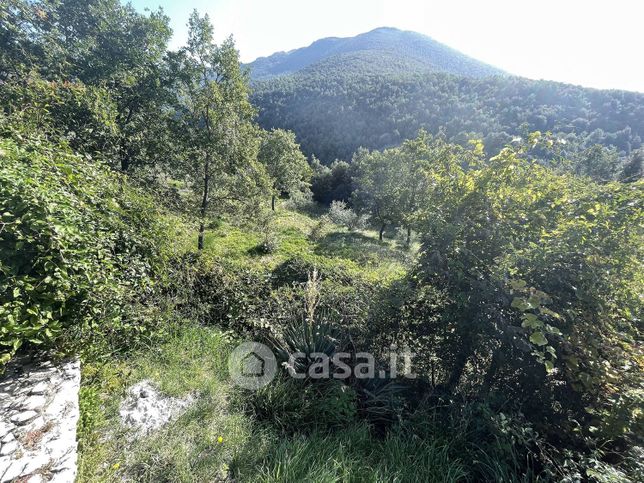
38 417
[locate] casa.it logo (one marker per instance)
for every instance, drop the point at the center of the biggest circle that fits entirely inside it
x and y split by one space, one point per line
252 365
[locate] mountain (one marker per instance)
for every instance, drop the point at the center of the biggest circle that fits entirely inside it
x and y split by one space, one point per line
379 88
410 49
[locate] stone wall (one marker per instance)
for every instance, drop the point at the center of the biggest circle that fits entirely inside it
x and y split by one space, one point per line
38 417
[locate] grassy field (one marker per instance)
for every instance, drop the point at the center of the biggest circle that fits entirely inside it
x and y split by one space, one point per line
219 437
358 252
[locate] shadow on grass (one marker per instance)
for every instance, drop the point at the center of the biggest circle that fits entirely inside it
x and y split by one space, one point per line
357 247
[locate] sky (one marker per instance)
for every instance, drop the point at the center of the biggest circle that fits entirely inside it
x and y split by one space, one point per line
594 43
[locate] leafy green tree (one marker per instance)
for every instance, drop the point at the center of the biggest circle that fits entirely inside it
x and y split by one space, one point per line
598 163
530 283
634 169
377 187
413 159
101 44
331 183
392 185
286 165
219 142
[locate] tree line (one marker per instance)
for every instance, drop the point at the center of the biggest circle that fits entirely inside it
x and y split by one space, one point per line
98 76
368 100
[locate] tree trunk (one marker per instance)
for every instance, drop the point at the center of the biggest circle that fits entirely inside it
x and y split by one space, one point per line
408 235
382 230
497 359
273 203
204 203
457 371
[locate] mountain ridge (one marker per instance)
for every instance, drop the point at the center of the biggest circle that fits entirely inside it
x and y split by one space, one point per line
428 54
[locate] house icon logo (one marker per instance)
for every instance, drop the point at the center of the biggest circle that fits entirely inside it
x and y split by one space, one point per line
252 365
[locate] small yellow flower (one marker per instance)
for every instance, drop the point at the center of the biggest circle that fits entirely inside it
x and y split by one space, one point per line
220 440
116 466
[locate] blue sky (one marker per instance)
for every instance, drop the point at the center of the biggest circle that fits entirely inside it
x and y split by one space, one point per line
595 43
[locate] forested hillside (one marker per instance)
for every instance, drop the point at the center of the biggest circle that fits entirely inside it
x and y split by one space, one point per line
446 309
424 52
376 99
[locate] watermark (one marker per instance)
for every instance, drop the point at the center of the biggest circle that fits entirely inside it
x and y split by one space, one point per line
253 365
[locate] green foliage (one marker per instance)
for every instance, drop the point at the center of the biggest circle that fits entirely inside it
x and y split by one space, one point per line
354 455
284 162
541 276
77 247
219 143
69 112
101 44
294 406
371 99
341 214
331 183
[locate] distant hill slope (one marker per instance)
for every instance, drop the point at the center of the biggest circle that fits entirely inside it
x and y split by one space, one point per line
378 97
412 51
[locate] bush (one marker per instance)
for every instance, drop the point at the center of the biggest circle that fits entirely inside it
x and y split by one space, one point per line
301 201
78 247
230 297
320 229
540 281
341 214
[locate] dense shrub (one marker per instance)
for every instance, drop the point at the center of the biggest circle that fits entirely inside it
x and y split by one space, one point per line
78 247
230 297
528 290
341 214
298 406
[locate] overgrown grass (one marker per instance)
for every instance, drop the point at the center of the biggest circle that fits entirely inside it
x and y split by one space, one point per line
215 439
353 455
358 252
221 437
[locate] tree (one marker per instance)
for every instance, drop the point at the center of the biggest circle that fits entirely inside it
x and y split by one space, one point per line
377 188
331 183
280 153
392 185
598 163
414 157
634 169
533 297
214 124
101 44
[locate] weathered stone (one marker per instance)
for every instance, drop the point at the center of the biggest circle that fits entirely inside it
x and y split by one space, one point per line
64 476
34 463
34 403
23 417
34 425
12 472
145 409
8 437
5 428
40 388
8 448
38 418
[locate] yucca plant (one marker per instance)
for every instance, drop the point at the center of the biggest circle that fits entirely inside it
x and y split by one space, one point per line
310 333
